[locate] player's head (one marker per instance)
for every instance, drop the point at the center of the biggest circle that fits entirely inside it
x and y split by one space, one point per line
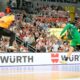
2 14
63 25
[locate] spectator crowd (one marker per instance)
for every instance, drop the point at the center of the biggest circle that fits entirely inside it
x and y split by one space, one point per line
32 33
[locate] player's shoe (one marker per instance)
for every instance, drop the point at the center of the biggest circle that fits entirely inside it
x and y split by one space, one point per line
11 47
64 61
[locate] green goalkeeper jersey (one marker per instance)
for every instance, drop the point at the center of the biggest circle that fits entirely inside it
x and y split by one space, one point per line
72 31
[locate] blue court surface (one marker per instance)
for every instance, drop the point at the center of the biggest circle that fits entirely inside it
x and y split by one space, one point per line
58 67
62 72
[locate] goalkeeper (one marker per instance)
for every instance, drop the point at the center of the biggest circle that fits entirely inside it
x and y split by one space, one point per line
73 35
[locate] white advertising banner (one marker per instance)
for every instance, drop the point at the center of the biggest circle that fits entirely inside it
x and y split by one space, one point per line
23 59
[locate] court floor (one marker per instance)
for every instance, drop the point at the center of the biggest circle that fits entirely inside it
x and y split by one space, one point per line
41 72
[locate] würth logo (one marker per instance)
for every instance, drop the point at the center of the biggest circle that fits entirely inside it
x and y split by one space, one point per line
55 58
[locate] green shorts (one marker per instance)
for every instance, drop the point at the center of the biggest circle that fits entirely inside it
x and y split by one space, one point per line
75 42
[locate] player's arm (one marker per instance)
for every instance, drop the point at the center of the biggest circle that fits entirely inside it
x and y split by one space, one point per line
64 30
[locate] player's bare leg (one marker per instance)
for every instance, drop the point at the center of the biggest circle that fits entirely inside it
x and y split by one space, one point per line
71 49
